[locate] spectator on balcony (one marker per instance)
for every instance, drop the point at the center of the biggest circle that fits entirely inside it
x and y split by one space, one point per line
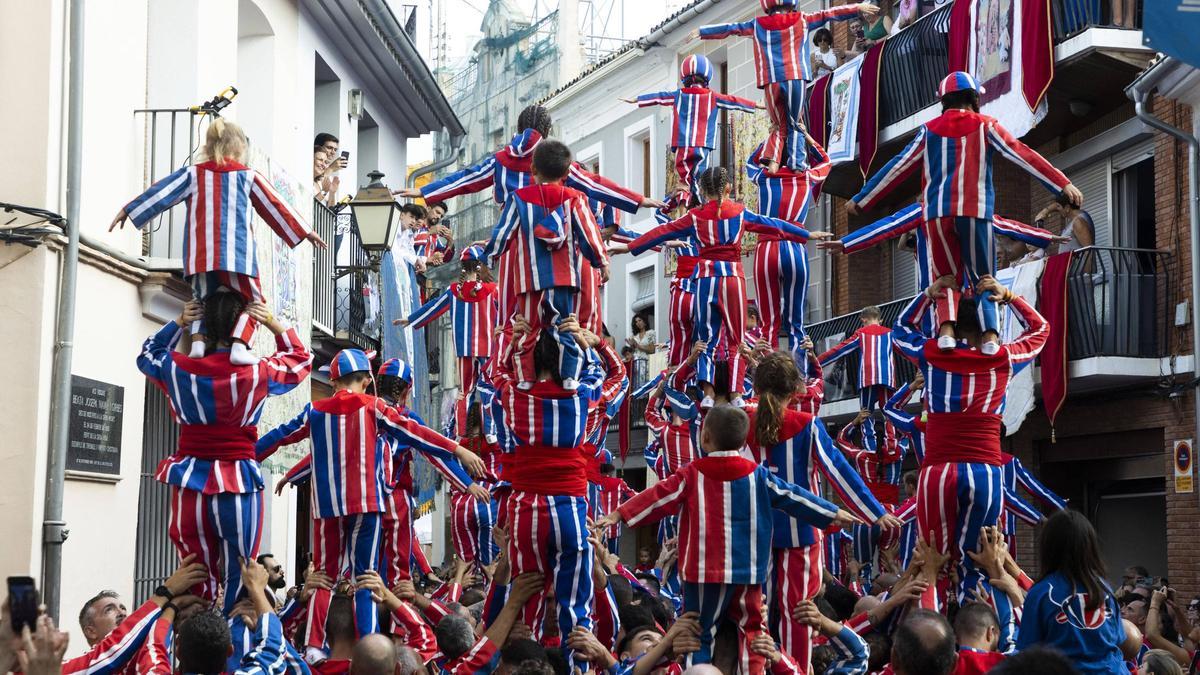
876 28
1078 226
641 340
907 13
329 143
325 187
824 59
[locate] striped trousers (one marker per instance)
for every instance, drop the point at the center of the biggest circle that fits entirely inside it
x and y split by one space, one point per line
588 304
781 289
355 539
785 107
548 534
543 310
720 303
870 398
689 164
796 575
963 248
469 368
207 283
954 502
397 535
471 528
219 529
679 321
742 604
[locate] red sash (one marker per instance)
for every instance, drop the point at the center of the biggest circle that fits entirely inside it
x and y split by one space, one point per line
547 470
217 442
886 493
962 437
722 253
685 265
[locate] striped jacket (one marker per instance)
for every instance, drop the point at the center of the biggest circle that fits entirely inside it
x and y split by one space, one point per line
1015 474
725 505
789 194
512 168
680 443
547 227
804 452
910 218
695 113
955 151
611 494
218 406
117 651
718 228
219 234
781 44
612 397
473 312
351 459
874 345
908 424
426 244
884 465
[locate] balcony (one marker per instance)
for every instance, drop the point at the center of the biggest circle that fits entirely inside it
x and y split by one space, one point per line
346 309
1119 308
167 139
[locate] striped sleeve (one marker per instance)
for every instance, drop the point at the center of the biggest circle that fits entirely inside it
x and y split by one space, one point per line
892 174
118 647
603 190
267 657
894 412
840 350
1021 508
292 431
289 365
278 214
445 461
1026 158
755 222
840 13
656 98
472 179
904 220
436 447
154 659
156 351
796 501
1034 236
476 659
656 417
720 31
851 653
300 471
506 225
731 102
676 229
416 632
1023 350
843 478
292 614
431 310
652 504
587 233
906 334
164 194
1036 488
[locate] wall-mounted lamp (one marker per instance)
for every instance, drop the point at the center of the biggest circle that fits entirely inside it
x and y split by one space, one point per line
354 103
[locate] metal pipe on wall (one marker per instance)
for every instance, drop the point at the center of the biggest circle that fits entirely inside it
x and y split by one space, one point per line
54 531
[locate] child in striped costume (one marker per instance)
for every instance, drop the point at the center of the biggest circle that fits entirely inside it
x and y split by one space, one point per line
797 449
1015 474
782 67
719 300
876 371
880 468
350 463
695 110
473 313
781 266
471 520
546 512
956 150
219 250
612 493
215 477
725 504
961 482
547 226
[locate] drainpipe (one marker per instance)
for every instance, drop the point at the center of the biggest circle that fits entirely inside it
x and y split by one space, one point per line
683 17
54 531
452 156
1139 90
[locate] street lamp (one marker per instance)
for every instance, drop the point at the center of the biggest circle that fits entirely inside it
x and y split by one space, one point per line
375 216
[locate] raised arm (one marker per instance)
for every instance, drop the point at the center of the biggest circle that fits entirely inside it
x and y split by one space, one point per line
1026 158
1034 236
720 31
731 102
906 334
292 431
156 352
278 214
906 219
892 174
894 412
167 192
289 365
1023 350
821 17
475 178
755 222
431 310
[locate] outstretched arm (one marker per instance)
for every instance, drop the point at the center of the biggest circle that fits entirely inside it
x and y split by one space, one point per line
890 227
720 31
765 224
1026 158
892 174
292 431
475 178
730 102
431 310
164 194
278 214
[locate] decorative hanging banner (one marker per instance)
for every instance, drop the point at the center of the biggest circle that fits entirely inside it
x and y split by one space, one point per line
818 109
990 40
868 111
1021 394
843 111
1053 306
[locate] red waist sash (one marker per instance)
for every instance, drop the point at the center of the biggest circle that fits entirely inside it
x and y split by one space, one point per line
723 253
217 442
962 437
886 493
547 470
685 265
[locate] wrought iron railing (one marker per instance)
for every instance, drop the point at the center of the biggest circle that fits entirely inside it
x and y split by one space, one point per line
914 61
841 379
169 138
345 307
1075 16
1116 303
324 223
639 374
154 556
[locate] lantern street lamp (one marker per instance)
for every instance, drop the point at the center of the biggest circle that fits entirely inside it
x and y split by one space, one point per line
375 217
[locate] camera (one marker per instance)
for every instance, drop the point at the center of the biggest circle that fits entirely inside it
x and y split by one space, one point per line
218 103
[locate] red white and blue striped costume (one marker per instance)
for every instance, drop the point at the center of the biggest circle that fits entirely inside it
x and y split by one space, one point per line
351 469
471 520
680 321
720 286
218 244
268 657
782 67
781 266
117 651
547 227
1015 474
612 493
876 371
881 468
679 443
426 244
546 514
955 151
961 483
215 477
834 541
802 453
726 506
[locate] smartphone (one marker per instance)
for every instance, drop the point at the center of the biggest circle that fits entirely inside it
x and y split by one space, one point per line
859 33
345 154
22 603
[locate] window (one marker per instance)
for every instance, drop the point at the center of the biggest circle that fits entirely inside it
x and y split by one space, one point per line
1133 202
819 302
154 556
646 165
327 99
643 288
639 161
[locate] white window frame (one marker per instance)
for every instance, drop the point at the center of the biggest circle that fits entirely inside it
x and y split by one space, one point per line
643 127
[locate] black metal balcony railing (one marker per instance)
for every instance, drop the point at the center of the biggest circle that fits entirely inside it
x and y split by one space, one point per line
168 146
639 373
914 61
841 379
324 223
1116 306
1072 17
344 307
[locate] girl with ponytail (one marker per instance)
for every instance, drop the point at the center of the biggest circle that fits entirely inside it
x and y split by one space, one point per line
719 297
796 447
219 251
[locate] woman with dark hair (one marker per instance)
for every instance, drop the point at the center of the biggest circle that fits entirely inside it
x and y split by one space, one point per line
641 341
1071 607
